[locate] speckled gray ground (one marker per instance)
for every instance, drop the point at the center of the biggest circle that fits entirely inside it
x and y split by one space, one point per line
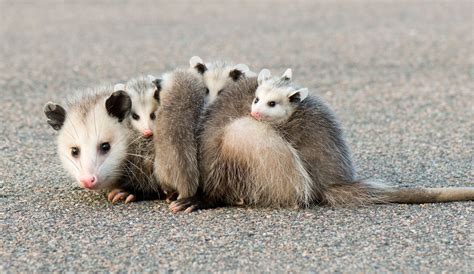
400 77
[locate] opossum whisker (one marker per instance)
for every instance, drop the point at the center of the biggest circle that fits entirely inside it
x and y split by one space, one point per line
138 155
140 169
135 140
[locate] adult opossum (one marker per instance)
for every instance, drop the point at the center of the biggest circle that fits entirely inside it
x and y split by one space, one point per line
98 146
290 153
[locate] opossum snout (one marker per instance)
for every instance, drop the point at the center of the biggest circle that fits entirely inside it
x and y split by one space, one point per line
257 115
147 133
88 181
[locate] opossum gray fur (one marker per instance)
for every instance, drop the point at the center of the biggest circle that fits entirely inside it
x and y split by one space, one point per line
181 99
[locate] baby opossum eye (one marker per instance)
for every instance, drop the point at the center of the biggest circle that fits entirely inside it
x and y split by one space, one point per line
271 104
256 100
104 147
219 92
135 116
75 152
152 116
207 91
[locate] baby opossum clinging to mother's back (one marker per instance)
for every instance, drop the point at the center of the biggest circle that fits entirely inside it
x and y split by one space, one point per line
99 148
217 75
269 143
144 95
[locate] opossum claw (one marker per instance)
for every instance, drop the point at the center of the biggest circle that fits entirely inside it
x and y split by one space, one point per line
130 198
112 194
119 194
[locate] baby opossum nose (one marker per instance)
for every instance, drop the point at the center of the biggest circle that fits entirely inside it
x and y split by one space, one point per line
256 115
88 181
147 133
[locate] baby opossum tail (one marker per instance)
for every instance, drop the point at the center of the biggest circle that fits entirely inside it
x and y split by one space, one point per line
370 192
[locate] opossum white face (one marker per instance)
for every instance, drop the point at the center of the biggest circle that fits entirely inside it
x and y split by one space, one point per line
144 98
275 98
92 140
216 75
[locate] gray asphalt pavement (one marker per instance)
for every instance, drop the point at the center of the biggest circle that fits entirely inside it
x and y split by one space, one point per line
399 76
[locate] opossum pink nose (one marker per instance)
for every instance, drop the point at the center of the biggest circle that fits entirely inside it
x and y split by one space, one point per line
256 115
88 181
147 133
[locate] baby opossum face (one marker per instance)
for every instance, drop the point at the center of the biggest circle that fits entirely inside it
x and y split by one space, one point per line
92 143
275 98
216 75
143 112
143 93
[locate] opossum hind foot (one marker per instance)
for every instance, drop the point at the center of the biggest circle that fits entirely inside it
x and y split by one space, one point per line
191 204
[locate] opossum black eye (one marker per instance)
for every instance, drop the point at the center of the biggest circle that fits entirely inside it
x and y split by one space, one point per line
152 116
219 92
104 147
135 116
256 100
271 104
207 91
75 152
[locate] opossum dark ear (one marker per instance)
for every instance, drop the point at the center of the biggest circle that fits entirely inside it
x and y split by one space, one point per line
287 75
235 74
298 95
237 71
56 115
157 83
197 63
118 105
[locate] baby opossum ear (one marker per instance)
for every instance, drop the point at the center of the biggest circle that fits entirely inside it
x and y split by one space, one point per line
56 115
118 87
298 95
197 63
118 105
287 75
264 75
157 83
237 71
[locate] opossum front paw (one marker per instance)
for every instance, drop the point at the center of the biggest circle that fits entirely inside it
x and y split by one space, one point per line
186 204
119 194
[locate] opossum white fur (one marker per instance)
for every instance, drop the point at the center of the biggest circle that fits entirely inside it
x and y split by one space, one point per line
97 145
144 95
217 75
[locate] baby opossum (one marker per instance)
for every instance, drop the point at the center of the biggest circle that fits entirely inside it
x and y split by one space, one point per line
144 95
99 148
217 75
293 155
181 95
276 98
